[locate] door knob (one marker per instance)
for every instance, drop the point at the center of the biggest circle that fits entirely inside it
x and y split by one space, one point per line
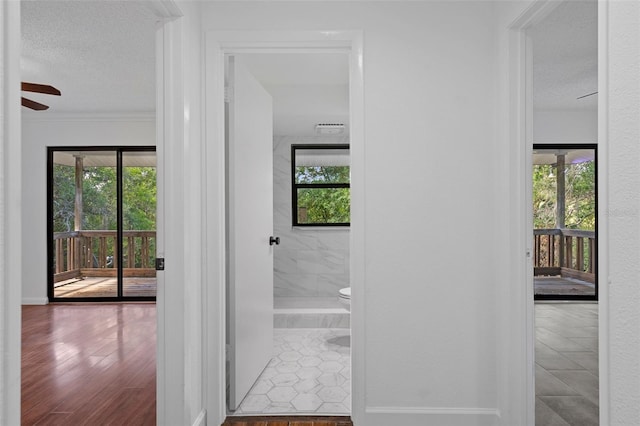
274 240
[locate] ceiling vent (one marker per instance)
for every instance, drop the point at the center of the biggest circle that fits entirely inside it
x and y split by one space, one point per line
329 128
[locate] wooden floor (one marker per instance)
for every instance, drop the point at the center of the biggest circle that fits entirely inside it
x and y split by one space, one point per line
89 364
288 421
105 287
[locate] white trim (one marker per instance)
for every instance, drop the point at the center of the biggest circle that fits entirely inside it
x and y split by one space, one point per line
93 117
168 10
170 400
10 214
603 211
35 301
201 420
518 398
217 43
434 410
441 416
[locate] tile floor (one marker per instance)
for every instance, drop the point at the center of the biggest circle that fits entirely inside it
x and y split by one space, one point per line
566 364
309 373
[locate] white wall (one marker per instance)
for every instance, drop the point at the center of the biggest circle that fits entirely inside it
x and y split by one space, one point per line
38 133
620 217
10 209
430 124
309 262
564 126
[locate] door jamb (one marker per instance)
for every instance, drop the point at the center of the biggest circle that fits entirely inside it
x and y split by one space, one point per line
521 155
169 122
217 44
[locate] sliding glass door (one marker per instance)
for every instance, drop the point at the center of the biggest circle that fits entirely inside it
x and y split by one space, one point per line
565 230
102 215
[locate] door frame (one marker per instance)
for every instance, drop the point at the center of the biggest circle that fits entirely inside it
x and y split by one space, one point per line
217 45
520 133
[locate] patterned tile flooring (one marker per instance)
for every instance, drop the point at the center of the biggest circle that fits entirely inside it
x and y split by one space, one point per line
567 382
309 373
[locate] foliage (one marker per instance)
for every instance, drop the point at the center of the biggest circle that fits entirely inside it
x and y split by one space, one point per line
579 196
322 174
323 205
99 207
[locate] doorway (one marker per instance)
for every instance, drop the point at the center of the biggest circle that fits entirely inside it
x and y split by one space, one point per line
307 364
562 203
101 224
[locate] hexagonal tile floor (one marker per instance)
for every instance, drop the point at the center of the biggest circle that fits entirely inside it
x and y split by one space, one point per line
310 373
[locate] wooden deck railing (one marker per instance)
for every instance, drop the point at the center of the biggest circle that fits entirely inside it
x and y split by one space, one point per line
565 252
94 254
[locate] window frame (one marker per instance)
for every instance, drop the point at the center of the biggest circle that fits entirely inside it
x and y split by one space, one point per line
295 186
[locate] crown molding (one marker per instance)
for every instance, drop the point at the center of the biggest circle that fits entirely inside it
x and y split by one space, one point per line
86 117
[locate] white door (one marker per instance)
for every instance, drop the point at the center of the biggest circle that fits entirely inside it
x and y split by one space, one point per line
250 226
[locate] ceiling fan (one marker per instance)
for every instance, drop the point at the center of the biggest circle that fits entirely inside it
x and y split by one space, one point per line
37 88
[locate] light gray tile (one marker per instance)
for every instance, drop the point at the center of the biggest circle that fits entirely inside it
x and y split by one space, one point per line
567 364
290 356
262 386
558 362
307 386
282 394
308 373
575 410
545 416
254 403
556 341
302 347
288 379
549 385
583 382
309 361
279 408
331 379
330 367
332 394
588 360
306 402
334 408
588 343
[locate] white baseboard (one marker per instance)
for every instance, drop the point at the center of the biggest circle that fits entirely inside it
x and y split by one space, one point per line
420 416
201 420
35 301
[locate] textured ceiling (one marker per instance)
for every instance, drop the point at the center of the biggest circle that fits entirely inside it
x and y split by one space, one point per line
99 54
565 57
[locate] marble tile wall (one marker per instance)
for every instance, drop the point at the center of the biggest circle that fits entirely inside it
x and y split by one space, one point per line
308 262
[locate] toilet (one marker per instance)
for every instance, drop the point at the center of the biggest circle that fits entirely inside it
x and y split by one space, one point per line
344 295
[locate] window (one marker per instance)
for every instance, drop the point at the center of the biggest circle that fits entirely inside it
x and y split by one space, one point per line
320 194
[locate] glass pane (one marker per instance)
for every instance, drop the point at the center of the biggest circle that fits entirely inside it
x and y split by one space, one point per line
139 223
323 205
322 174
320 165
564 212
85 224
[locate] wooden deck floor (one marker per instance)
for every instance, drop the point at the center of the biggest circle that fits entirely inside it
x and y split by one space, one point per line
105 287
89 364
562 286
